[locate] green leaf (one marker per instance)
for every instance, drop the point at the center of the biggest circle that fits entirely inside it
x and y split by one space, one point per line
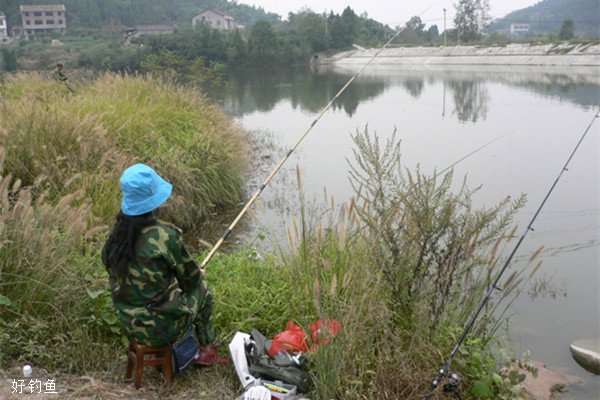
110 319
94 293
5 301
513 377
481 389
534 373
522 378
497 379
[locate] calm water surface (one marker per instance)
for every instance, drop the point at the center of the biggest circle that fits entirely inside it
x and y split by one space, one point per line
442 115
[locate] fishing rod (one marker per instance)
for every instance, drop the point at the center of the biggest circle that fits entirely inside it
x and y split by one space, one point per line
444 370
289 153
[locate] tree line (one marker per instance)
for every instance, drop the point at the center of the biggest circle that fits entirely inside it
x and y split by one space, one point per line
200 50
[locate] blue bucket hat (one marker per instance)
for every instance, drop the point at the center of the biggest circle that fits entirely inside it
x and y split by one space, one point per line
143 190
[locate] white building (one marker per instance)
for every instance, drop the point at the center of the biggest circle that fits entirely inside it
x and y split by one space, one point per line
519 29
215 19
3 29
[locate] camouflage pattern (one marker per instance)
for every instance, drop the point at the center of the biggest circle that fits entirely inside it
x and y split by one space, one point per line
169 282
58 75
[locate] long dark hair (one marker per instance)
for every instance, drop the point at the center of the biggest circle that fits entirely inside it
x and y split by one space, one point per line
119 250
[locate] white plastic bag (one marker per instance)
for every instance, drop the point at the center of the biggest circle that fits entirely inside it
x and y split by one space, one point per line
237 348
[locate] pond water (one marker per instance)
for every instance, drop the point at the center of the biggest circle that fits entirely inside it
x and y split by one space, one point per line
441 115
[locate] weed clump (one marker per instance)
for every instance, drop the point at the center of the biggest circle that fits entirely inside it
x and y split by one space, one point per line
401 267
53 303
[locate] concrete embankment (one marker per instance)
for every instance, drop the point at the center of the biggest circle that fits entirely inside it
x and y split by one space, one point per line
584 55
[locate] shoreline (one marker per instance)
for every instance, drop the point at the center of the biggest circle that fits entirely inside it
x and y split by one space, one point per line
559 55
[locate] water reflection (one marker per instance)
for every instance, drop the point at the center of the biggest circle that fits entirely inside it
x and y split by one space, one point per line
470 100
467 87
414 86
262 90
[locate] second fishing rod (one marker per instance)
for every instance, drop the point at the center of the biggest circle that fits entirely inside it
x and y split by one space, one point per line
444 370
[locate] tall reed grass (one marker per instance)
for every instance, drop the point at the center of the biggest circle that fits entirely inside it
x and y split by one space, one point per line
48 268
85 140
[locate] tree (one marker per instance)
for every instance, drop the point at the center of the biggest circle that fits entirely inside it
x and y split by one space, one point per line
343 29
311 28
412 33
9 60
416 25
236 49
471 17
432 33
567 30
263 46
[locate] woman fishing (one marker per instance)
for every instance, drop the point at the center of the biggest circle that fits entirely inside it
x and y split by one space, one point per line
157 288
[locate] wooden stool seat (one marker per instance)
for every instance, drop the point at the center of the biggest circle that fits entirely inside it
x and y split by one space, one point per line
158 357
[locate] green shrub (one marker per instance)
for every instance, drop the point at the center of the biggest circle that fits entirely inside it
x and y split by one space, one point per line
402 268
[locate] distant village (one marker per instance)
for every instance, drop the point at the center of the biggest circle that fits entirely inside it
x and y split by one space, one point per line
52 19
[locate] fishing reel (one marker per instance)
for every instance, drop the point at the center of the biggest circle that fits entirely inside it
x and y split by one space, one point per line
452 384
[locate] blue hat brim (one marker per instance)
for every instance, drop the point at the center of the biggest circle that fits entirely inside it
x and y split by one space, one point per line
163 192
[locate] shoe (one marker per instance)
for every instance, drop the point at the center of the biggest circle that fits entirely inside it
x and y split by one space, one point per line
209 356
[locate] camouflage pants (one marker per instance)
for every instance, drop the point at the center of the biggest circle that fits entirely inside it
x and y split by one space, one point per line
203 325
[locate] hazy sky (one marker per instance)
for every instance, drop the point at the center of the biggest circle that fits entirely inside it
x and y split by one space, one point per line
392 12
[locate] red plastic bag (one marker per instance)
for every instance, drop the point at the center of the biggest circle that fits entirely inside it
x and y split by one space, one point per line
292 340
322 331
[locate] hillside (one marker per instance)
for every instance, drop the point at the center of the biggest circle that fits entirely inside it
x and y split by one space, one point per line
96 14
548 15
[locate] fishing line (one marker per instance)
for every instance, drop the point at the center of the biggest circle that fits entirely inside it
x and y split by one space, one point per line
289 153
468 155
444 370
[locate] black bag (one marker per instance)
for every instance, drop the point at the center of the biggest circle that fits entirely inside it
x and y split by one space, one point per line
184 351
261 365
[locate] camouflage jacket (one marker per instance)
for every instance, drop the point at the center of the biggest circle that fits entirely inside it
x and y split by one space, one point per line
59 76
166 279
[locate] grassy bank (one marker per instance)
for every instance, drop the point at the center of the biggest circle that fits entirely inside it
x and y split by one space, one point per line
401 267
84 140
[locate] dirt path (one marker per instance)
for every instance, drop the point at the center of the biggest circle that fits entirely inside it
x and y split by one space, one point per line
214 383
